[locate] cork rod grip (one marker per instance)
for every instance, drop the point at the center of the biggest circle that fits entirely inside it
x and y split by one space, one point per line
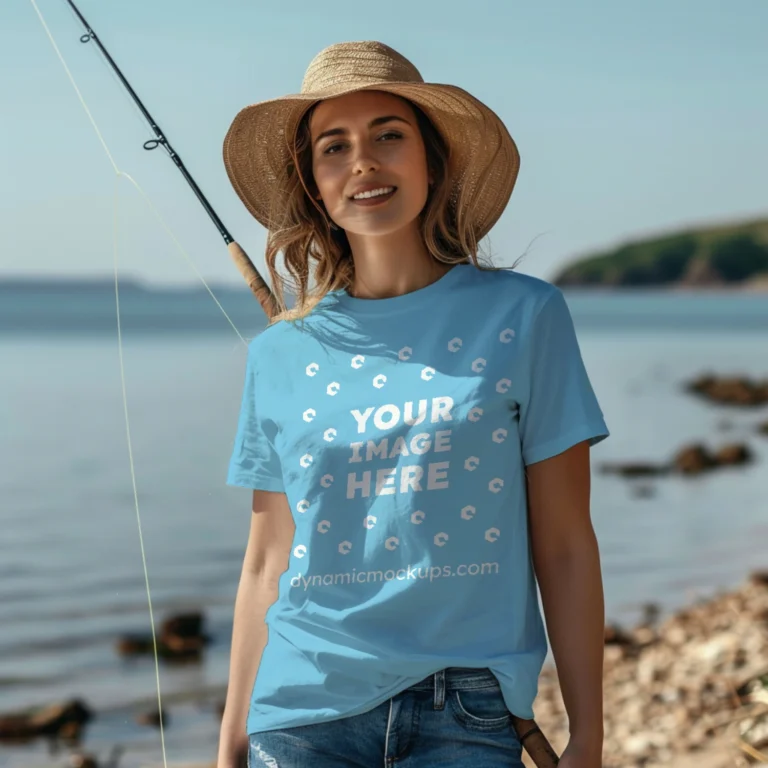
255 281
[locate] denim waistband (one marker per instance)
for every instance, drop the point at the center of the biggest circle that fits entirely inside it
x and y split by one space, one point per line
456 679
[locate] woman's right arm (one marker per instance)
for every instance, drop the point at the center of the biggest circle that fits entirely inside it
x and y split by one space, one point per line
266 559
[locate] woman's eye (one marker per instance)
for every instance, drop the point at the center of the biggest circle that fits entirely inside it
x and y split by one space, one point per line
333 149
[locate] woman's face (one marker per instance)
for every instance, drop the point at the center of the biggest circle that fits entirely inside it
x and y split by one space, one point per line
369 142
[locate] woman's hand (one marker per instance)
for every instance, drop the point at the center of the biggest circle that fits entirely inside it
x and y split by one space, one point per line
578 756
233 751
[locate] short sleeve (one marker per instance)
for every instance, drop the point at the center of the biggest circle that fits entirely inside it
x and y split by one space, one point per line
254 462
560 408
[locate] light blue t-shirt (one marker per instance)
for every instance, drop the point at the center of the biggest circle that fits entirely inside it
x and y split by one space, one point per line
399 429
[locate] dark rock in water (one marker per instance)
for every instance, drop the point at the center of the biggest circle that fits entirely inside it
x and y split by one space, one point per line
689 460
154 717
183 625
180 639
65 721
733 455
169 648
763 428
733 390
134 645
634 469
182 636
694 459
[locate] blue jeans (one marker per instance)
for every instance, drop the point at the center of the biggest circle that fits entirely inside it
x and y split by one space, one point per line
456 717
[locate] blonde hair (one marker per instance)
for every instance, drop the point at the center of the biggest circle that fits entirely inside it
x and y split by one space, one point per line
309 243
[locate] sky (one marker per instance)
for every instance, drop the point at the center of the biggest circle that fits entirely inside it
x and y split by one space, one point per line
631 119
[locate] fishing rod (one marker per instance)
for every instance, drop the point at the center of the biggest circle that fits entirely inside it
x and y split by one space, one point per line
255 281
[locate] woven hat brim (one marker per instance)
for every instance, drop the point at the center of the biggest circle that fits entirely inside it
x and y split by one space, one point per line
484 160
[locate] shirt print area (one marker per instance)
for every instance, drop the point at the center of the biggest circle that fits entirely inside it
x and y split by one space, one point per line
402 488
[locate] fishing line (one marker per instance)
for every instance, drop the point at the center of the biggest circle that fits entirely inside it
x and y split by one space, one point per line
133 470
118 174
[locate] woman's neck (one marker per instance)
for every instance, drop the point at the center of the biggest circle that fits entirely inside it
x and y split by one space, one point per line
392 265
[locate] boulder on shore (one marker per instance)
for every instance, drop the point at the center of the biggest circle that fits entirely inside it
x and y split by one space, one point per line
691 459
63 720
635 469
730 390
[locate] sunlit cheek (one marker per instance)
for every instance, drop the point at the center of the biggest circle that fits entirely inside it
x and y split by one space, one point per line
412 166
328 184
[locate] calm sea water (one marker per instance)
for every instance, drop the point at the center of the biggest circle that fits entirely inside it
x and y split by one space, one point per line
71 578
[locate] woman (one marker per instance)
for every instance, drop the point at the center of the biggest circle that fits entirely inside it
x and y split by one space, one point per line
416 433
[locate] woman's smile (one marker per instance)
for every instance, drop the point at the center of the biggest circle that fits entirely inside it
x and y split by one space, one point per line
373 197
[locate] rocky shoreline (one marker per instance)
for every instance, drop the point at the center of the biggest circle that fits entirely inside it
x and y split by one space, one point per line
691 690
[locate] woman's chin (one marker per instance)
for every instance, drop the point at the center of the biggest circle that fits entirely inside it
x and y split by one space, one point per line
378 225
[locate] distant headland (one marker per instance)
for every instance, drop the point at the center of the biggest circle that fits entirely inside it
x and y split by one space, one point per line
729 256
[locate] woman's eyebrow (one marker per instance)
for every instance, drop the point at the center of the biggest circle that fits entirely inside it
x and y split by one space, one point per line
376 121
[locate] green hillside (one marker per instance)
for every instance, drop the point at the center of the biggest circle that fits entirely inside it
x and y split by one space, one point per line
731 255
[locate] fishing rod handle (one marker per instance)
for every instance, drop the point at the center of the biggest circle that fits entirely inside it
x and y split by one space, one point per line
255 281
535 743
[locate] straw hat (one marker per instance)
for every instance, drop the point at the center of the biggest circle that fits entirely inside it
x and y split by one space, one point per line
484 160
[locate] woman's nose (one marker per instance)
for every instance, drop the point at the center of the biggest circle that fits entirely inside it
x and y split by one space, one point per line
364 161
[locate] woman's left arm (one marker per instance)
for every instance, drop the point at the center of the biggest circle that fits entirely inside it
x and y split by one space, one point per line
567 564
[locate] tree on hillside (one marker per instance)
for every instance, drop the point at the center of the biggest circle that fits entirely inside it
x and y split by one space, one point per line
739 257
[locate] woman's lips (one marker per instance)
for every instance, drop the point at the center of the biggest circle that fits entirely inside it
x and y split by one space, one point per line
378 200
